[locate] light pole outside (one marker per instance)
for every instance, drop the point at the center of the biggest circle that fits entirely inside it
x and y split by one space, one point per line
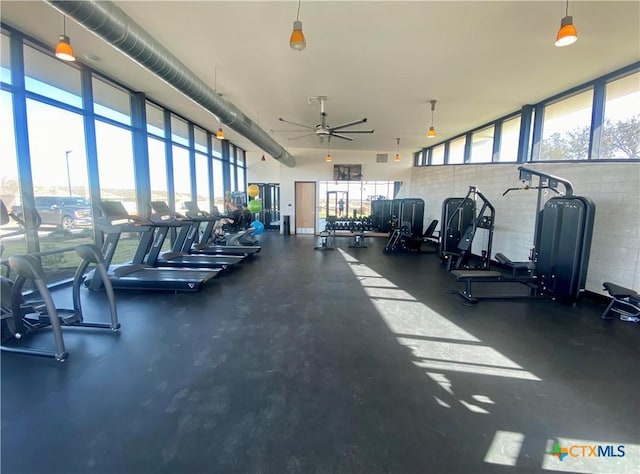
66 155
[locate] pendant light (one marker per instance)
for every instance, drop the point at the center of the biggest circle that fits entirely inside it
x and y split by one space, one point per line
297 40
263 158
432 131
397 157
567 34
64 50
328 159
220 132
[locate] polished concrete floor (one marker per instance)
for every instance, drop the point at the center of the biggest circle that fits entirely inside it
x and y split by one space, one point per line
315 362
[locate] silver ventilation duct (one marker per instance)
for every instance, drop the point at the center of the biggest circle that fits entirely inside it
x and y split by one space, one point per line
109 22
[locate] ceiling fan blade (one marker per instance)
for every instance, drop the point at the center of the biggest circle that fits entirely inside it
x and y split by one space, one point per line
301 136
352 131
348 124
344 137
294 123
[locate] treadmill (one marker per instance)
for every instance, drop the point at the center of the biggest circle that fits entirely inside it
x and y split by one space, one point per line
164 220
189 241
139 276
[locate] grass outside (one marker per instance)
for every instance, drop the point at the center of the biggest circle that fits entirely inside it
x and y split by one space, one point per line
65 263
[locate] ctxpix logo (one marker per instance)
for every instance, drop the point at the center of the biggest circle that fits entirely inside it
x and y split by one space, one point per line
587 451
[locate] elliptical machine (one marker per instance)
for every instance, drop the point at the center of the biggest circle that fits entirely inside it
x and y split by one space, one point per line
20 318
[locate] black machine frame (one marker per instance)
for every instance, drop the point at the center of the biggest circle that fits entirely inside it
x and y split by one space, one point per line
407 221
562 242
461 227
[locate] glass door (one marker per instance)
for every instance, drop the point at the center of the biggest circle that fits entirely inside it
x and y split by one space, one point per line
337 204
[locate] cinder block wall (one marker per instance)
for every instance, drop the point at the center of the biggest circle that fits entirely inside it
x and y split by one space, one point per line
613 187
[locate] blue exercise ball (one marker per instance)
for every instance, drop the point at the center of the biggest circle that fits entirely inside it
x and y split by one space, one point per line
258 226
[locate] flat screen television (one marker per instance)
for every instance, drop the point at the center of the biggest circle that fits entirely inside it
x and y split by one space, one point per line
347 172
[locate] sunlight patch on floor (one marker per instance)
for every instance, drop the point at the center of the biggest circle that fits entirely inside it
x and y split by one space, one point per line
505 448
417 319
376 282
476 369
388 293
458 352
416 325
447 386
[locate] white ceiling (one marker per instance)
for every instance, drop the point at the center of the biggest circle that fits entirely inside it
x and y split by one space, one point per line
374 59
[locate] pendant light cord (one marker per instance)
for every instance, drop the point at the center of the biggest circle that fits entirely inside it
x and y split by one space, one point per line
566 13
64 25
299 1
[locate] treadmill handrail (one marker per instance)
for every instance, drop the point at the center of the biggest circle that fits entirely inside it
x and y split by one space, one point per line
105 225
170 222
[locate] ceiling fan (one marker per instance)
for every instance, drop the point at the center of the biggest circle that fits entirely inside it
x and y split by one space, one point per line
323 130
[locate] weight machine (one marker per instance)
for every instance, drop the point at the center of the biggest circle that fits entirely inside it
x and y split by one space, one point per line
457 243
561 246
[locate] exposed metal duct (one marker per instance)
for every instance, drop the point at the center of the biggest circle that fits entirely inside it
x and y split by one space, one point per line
109 22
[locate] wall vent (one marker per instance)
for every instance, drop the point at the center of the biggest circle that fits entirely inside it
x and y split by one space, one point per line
382 157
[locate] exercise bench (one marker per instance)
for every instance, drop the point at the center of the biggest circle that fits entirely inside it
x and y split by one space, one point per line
624 301
492 276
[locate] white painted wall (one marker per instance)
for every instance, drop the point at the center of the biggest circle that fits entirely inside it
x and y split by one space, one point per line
262 171
311 166
614 188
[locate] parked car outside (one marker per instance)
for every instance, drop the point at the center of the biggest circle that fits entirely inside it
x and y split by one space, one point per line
67 212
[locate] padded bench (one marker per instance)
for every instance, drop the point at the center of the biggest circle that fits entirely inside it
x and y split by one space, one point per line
517 268
488 276
625 302
478 275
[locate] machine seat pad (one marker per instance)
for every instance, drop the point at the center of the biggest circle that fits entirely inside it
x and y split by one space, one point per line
504 260
477 275
619 292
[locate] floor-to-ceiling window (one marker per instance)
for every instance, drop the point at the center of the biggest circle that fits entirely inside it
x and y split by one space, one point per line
232 166
218 185
13 241
356 196
60 162
5 58
114 143
58 158
157 153
202 169
241 170
181 162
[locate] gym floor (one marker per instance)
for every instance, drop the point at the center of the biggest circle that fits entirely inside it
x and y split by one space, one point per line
345 361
